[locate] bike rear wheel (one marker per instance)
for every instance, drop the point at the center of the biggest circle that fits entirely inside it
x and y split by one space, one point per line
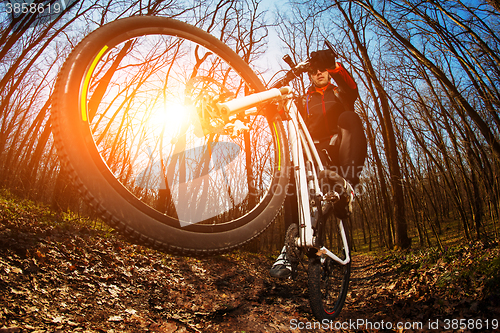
328 281
135 123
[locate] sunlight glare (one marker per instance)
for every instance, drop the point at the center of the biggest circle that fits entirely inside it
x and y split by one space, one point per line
169 118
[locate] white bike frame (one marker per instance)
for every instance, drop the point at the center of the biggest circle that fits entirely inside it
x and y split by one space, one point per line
304 153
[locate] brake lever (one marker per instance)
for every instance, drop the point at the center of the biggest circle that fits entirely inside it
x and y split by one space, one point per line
294 72
296 68
302 67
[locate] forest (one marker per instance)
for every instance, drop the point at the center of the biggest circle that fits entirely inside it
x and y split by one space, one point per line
428 74
425 222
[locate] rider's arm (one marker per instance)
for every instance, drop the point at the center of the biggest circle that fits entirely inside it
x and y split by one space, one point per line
347 87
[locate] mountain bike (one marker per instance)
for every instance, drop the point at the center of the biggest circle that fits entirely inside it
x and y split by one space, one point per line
177 143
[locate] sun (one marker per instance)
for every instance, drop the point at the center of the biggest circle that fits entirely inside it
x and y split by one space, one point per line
169 118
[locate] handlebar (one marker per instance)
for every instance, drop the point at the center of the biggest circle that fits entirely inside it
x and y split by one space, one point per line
297 69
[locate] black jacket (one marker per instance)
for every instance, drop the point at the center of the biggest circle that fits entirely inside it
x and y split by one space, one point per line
324 105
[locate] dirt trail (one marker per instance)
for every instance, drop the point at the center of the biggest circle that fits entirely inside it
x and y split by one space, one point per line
62 277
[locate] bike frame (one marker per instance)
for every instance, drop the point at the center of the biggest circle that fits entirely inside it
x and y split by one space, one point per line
305 160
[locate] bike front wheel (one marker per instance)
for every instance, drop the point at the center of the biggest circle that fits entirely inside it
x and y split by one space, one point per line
136 124
328 280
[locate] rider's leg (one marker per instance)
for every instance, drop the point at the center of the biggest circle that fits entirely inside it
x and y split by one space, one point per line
352 149
350 153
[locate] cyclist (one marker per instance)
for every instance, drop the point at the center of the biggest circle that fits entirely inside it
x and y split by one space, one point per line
337 132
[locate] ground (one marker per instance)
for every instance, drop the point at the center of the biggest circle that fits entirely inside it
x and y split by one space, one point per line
61 276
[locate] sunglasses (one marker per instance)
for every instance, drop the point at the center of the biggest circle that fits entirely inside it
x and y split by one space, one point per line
313 71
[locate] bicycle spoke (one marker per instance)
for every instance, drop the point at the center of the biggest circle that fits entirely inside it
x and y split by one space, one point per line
152 110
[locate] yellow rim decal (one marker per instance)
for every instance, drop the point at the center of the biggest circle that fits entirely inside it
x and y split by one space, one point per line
279 147
86 83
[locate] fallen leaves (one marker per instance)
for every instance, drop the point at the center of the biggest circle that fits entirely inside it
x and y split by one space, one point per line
65 276
424 285
61 276
115 318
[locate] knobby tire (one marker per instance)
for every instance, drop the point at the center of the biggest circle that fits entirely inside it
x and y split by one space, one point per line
145 208
328 282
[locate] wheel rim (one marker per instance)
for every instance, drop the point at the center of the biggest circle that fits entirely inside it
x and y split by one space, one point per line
138 96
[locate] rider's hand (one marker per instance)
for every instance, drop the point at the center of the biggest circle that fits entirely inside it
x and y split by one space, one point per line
323 59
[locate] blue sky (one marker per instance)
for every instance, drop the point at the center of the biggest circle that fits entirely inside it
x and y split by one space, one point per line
273 59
